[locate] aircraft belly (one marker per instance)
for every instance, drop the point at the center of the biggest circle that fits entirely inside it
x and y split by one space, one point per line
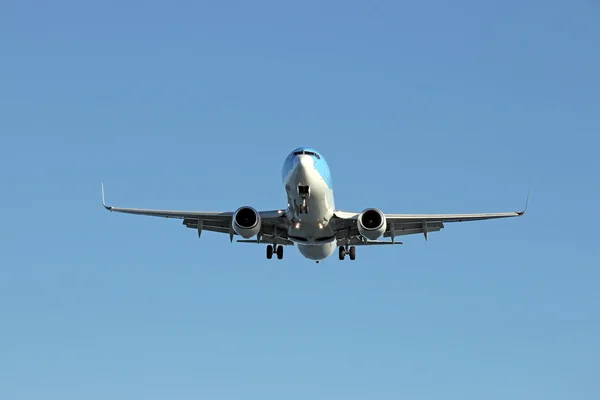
317 252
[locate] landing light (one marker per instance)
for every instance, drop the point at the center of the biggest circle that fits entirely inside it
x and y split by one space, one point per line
297 225
320 226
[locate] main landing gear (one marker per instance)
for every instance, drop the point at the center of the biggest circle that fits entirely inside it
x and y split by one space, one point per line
350 251
275 249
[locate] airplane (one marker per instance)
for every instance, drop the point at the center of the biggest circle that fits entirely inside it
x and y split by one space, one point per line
310 221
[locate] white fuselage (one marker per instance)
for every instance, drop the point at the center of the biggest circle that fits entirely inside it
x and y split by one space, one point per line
310 205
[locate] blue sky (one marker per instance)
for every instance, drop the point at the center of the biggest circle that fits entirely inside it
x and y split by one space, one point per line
418 107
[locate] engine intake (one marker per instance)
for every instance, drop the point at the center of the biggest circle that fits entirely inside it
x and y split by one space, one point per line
246 222
372 223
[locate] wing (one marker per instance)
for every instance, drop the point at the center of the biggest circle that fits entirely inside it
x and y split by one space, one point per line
409 224
274 222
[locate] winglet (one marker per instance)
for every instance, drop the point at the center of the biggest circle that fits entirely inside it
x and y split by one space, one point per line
526 205
103 203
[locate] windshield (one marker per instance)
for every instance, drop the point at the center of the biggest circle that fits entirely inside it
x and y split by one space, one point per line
308 153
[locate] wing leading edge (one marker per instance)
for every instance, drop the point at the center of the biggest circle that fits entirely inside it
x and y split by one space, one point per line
441 218
273 221
167 213
408 224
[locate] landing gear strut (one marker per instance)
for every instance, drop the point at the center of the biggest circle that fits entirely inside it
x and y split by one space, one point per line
351 251
274 249
304 206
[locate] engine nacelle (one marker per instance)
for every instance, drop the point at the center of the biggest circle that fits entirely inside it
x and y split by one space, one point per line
246 222
371 223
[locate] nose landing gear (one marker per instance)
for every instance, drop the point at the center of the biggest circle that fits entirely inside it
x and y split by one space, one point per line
304 192
351 251
275 249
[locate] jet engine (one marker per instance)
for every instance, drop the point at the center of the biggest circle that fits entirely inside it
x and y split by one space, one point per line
246 222
371 223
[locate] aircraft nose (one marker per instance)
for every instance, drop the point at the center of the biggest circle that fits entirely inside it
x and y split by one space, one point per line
304 161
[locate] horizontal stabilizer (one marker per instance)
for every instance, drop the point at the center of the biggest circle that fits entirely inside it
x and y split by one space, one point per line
357 242
268 240
376 243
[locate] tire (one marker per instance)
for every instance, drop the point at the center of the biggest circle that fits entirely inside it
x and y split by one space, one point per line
279 252
342 253
269 252
352 253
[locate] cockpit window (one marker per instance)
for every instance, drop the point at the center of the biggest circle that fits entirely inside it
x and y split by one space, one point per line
308 153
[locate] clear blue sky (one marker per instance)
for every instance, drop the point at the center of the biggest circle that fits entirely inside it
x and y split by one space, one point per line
432 106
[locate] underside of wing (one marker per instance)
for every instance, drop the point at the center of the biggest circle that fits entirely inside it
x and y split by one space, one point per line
273 230
399 229
450 217
347 224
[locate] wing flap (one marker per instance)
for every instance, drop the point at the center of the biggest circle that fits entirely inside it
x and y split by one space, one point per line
412 229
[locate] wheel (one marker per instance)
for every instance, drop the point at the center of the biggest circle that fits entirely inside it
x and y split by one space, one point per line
279 252
269 252
352 253
342 253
